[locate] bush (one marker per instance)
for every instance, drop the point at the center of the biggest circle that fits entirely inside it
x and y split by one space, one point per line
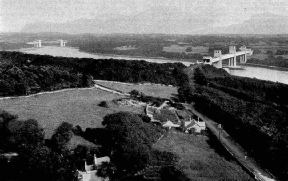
103 104
134 93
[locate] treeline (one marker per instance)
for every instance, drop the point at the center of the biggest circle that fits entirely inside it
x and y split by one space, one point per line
270 61
18 80
253 112
74 72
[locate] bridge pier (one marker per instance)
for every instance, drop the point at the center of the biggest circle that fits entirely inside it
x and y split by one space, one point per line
243 58
62 43
232 62
37 44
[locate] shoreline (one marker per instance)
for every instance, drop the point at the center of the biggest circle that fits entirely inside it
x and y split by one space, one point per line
137 57
73 50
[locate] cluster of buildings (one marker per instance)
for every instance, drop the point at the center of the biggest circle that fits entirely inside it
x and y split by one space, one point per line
169 117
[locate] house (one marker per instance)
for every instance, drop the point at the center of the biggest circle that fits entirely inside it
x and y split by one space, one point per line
196 125
199 126
169 124
89 174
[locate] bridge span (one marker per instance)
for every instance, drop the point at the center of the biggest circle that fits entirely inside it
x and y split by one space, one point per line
217 59
38 43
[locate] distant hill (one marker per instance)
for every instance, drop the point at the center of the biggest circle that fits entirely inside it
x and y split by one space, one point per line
259 24
166 21
156 20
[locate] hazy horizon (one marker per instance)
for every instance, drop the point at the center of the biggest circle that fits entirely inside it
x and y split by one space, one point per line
15 14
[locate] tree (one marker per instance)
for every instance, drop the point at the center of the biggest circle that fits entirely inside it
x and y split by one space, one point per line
130 140
38 163
103 104
106 170
188 49
257 51
62 136
134 93
269 52
26 134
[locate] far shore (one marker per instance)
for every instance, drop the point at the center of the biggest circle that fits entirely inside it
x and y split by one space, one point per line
76 53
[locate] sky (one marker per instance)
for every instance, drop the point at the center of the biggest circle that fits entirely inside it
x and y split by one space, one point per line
14 14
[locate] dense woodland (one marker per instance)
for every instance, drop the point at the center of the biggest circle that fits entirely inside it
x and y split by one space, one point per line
22 74
253 112
271 61
38 159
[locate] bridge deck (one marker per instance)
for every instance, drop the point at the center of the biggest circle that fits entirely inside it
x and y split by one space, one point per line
226 56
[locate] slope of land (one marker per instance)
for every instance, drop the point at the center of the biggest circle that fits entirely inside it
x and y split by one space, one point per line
253 112
235 150
201 158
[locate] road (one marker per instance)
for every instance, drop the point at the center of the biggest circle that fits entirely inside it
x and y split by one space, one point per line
235 150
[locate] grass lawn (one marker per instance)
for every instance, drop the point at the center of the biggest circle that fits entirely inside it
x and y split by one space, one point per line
78 107
151 90
181 49
199 157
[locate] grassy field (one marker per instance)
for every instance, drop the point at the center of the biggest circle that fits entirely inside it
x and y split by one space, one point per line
201 158
151 90
78 107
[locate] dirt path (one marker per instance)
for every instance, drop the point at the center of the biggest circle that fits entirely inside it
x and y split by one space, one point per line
235 150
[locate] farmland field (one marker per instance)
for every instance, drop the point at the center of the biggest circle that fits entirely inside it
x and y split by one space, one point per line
78 107
147 89
180 49
200 158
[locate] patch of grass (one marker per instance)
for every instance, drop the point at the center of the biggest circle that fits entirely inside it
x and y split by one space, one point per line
149 90
198 160
78 107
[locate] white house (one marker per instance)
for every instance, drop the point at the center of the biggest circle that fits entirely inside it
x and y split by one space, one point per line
192 124
89 174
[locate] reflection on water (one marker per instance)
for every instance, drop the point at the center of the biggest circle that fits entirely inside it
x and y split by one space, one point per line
261 73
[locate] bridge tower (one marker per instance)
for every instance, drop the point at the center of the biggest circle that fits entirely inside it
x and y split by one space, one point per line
232 49
218 54
62 43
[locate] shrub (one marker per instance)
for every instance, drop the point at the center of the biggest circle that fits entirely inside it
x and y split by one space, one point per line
103 104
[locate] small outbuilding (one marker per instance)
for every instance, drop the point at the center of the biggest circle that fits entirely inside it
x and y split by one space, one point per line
89 174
